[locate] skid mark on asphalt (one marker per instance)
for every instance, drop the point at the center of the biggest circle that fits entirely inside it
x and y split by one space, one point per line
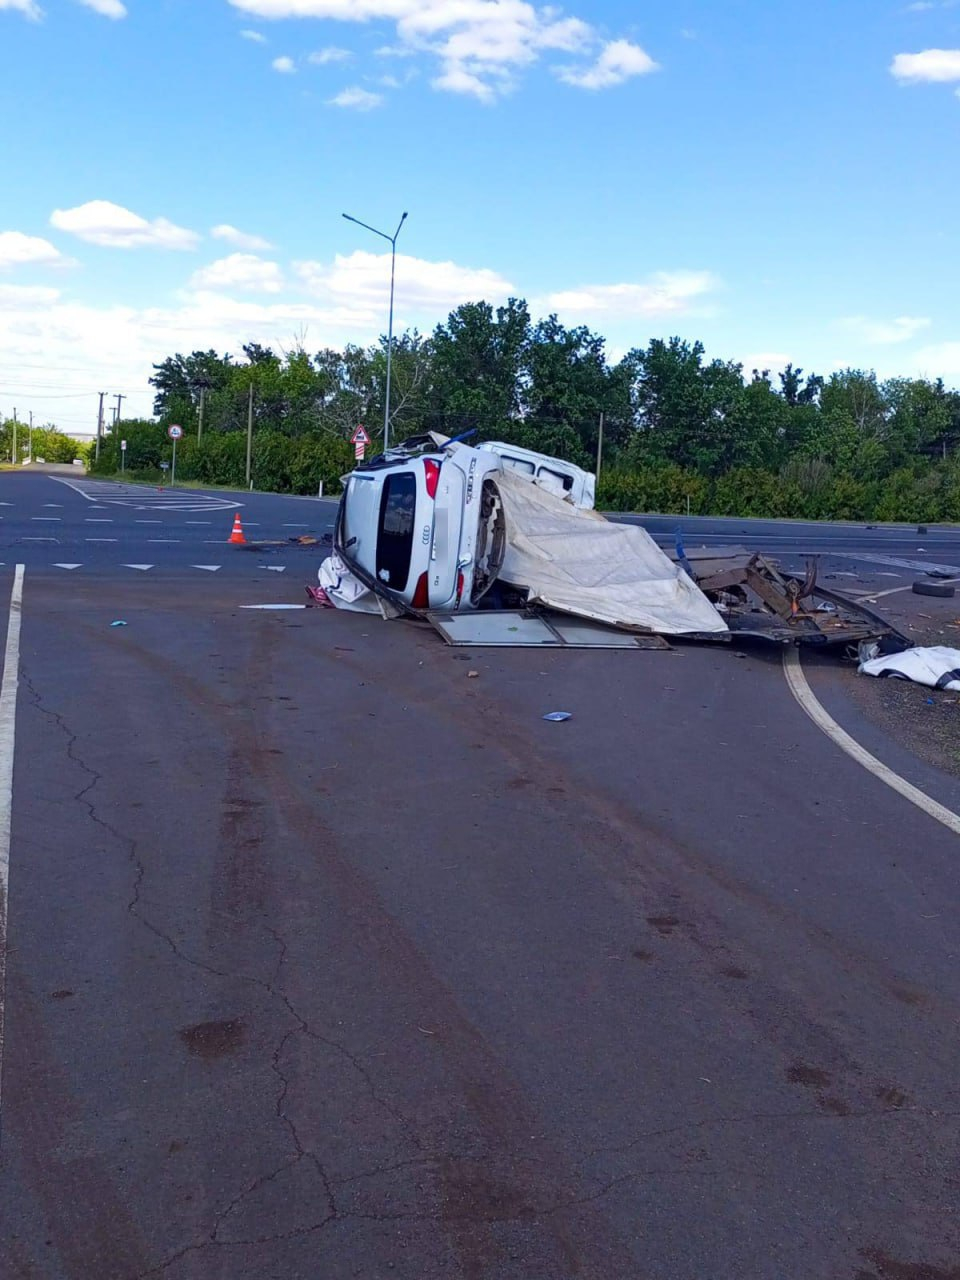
808 700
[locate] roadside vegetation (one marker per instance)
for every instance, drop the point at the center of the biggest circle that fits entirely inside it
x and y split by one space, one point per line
49 443
680 432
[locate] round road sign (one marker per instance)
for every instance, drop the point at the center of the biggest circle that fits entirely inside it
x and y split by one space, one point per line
175 432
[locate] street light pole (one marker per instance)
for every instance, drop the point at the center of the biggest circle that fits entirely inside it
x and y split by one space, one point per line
392 240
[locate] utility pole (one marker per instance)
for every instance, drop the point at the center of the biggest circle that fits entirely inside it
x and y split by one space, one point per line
14 457
96 453
120 400
600 448
249 436
30 447
203 392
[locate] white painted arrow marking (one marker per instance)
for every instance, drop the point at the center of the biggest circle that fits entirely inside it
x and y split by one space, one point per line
210 568
68 566
274 568
142 567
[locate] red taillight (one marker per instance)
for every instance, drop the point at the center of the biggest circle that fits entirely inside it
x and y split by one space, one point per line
421 597
433 476
459 589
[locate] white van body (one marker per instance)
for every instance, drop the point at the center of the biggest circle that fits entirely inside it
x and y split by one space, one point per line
553 474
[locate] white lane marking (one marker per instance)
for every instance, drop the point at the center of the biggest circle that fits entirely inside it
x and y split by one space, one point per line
6 504
163 539
101 539
47 519
97 520
198 522
210 568
273 606
8 728
68 566
70 485
296 526
274 568
142 567
148 522
873 596
823 720
54 504
921 566
38 539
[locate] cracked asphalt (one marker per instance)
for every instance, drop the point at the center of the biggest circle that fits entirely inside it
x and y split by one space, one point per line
325 961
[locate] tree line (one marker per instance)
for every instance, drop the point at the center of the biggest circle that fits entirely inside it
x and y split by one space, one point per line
680 431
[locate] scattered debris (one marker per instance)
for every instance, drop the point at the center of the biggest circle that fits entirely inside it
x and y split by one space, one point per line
118 623
557 717
473 675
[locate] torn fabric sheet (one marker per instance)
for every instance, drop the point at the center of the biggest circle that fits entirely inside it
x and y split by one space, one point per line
936 666
579 563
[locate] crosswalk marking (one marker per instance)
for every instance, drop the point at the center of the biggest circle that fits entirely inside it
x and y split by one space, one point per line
67 566
143 499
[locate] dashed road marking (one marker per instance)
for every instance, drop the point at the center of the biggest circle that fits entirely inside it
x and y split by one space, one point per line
47 519
68 566
142 567
210 568
808 700
101 539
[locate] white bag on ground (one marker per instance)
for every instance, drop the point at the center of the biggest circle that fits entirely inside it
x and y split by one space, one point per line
936 666
579 563
344 590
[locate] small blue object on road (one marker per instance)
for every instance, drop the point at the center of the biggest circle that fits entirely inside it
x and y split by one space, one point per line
555 717
118 623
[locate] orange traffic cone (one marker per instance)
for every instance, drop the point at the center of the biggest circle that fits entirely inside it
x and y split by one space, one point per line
237 535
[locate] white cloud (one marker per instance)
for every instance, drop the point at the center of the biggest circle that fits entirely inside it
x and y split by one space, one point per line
286 66
885 333
774 361
17 249
428 289
322 57
481 45
240 271
108 8
619 61
241 239
26 295
357 98
941 360
666 293
254 36
28 8
936 66
103 223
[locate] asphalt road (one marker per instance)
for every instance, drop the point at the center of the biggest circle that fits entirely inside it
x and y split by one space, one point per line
328 961
49 520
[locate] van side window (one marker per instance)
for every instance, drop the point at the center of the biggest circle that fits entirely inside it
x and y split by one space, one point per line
555 478
518 464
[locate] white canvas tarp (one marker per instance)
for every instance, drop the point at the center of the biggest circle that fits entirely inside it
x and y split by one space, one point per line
578 562
936 666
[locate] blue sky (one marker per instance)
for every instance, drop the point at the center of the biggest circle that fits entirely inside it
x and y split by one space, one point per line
778 180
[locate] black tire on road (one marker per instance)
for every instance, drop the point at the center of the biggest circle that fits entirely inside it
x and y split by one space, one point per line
942 590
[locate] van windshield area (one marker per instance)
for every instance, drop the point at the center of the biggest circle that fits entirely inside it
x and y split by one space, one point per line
395 534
